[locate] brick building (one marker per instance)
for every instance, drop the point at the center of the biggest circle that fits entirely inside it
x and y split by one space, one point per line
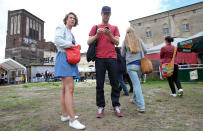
25 41
181 22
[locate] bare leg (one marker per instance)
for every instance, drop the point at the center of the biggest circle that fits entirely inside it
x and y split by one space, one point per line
63 107
69 88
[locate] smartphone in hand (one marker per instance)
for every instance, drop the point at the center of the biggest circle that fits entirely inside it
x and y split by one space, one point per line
106 27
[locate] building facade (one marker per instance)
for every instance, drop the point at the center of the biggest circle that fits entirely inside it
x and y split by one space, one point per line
25 41
180 22
83 61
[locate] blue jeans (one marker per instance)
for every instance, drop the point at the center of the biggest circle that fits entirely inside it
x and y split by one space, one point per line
134 72
122 83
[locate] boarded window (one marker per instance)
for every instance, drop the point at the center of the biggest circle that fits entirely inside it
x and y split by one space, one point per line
27 26
40 33
11 29
15 25
19 22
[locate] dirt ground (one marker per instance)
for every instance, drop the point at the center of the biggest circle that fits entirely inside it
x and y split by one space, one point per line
36 107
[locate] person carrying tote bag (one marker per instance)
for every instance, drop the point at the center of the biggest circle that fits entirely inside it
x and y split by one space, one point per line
168 68
168 56
146 64
132 50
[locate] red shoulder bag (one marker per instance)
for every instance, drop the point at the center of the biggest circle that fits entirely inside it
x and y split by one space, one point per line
73 54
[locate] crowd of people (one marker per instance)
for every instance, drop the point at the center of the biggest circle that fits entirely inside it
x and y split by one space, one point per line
3 78
47 76
108 58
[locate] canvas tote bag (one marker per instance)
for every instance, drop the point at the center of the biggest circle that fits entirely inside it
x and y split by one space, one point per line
146 64
167 69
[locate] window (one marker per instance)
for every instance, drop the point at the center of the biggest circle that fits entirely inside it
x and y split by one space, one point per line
19 22
165 31
11 31
185 27
27 26
149 34
33 24
139 24
15 25
40 32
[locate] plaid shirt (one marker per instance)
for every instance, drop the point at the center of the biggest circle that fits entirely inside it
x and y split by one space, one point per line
166 54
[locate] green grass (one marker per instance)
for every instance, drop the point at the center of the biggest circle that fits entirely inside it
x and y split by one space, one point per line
21 124
31 129
42 84
13 96
9 104
76 92
159 100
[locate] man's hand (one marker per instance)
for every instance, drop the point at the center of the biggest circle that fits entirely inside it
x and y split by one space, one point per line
99 31
107 31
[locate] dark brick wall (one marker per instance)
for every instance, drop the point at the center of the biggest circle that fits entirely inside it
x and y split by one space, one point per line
17 45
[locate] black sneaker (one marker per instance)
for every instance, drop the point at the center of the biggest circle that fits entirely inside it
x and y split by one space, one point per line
125 94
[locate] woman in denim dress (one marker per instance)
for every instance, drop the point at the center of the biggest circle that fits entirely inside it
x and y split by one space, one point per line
65 39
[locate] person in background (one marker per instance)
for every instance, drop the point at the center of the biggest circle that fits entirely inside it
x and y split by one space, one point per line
166 55
107 37
65 39
121 70
133 49
46 75
127 77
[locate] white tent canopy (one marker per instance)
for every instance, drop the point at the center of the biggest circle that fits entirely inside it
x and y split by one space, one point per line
12 65
156 49
89 69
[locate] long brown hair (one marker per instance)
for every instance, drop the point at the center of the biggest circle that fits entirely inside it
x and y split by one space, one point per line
132 41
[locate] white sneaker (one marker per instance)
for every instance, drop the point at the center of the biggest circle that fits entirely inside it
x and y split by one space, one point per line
174 95
77 125
180 92
67 118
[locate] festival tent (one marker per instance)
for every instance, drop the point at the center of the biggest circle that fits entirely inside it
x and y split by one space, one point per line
192 44
154 53
12 65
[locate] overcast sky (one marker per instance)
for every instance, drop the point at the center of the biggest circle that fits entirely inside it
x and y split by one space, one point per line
88 12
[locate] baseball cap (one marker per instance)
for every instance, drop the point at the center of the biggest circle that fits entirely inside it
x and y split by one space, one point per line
106 9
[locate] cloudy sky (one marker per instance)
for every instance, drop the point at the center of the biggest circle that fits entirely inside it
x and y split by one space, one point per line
88 12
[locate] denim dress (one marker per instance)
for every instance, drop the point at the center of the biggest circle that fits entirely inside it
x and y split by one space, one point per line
64 39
